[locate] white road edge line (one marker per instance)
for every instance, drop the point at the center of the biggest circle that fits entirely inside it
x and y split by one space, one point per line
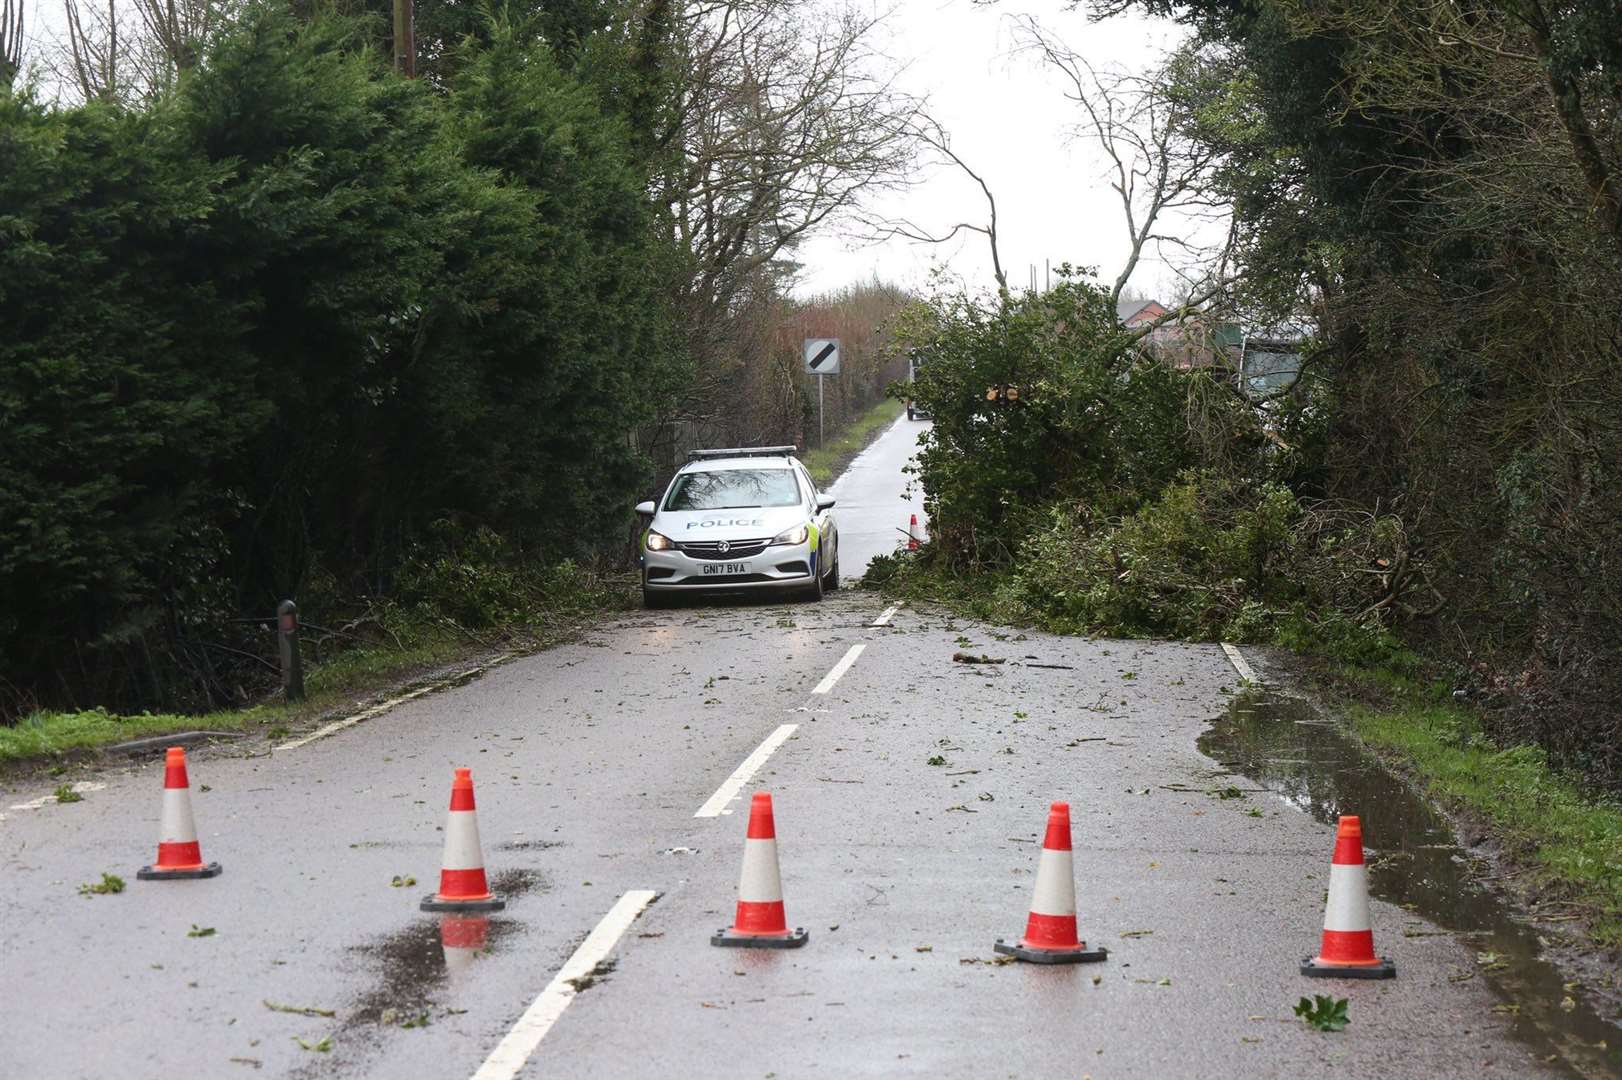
513 1051
717 804
78 786
383 707
840 668
1239 664
888 612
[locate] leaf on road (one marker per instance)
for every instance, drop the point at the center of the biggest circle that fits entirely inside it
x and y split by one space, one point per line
320 1046
1324 1013
200 931
1136 933
969 658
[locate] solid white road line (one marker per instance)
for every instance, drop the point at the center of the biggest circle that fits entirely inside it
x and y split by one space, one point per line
1239 664
717 804
78 786
840 668
889 611
383 707
513 1051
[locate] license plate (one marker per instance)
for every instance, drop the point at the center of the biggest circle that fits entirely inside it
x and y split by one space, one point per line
725 568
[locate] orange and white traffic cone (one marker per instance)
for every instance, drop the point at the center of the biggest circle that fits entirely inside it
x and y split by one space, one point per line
462 937
462 886
912 533
760 922
1050 933
1348 942
179 854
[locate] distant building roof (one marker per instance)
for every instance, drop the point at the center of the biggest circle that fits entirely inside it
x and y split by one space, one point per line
1127 310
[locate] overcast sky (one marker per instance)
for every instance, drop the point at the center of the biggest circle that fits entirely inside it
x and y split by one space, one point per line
1009 120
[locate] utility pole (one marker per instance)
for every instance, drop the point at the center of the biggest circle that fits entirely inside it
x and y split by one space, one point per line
405 43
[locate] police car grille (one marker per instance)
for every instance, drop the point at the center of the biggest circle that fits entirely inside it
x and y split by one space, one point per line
736 549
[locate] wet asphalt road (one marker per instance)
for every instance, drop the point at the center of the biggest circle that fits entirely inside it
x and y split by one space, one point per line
591 761
876 498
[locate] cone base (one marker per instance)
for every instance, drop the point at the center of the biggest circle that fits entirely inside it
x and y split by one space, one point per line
1315 968
1021 951
158 873
730 938
435 902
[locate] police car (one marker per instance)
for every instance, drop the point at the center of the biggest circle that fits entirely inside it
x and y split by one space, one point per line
740 519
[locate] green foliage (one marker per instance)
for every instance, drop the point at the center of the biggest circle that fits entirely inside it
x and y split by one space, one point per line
1095 425
264 332
65 794
1201 561
107 886
1470 323
1324 1013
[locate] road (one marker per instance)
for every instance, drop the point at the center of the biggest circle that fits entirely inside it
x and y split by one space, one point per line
592 762
876 499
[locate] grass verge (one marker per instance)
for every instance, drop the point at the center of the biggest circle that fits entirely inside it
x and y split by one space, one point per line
1568 842
345 677
827 462
422 641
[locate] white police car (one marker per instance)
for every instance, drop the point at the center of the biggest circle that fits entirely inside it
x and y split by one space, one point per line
741 519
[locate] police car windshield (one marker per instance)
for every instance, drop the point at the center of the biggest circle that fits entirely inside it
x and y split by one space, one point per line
733 489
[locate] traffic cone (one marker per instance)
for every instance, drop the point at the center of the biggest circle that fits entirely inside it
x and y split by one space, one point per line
760 923
1050 933
1348 943
179 853
462 937
462 886
912 534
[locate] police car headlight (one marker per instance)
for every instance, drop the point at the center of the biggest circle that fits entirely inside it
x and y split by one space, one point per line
792 536
659 541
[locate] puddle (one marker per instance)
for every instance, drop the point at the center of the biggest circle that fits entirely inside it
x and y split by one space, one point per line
414 968
1415 861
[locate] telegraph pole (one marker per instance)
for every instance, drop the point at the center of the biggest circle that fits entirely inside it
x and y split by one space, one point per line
405 44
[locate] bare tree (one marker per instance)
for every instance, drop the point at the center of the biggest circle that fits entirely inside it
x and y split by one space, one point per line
178 29
929 132
91 58
1159 170
127 50
11 41
781 118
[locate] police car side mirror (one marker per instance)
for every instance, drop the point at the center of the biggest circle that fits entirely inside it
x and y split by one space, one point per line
824 502
645 508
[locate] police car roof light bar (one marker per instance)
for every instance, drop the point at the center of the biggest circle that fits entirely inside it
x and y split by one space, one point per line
742 451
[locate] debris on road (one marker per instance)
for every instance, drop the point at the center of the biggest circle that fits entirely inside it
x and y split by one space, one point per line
1323 1013
970 658
300 1010
110 883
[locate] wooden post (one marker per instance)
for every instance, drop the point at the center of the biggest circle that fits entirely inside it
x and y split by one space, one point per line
292 662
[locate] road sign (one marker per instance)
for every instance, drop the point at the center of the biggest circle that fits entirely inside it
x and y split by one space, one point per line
822 356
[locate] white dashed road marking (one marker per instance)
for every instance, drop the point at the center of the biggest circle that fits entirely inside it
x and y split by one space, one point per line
719 802
513 1051
840 668
888 612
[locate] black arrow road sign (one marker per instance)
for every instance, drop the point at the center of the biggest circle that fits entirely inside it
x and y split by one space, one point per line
827 351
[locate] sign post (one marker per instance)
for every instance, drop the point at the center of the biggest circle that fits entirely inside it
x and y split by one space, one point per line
821 358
